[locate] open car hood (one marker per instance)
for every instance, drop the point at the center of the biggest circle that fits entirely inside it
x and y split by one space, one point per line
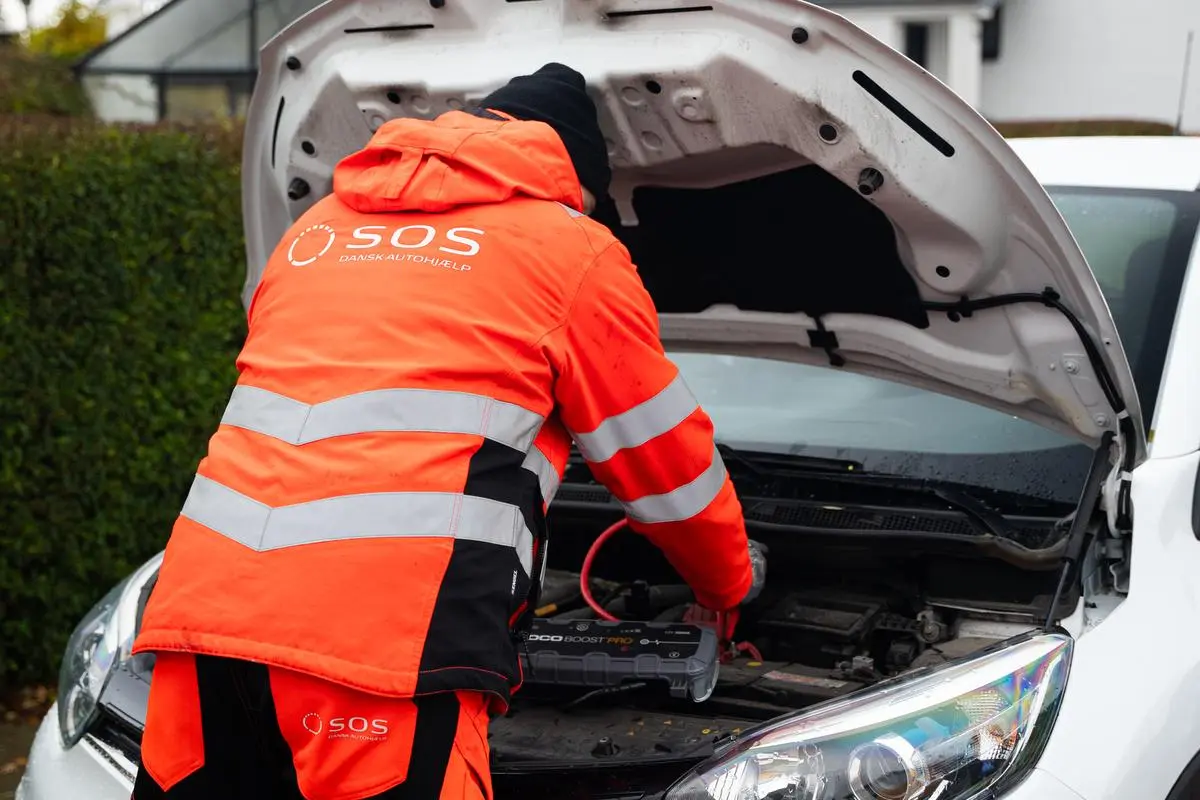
899 196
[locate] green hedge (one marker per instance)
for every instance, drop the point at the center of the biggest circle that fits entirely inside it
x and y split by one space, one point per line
33 84
1112 127
120 320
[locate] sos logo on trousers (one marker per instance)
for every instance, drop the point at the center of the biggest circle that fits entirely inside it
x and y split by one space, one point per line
337 726
314 242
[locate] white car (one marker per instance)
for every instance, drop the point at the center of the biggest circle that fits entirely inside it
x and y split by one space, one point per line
972 457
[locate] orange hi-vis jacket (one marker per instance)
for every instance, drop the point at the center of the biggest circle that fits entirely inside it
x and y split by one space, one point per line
423 347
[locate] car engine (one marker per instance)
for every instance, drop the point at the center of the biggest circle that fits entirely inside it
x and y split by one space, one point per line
829 623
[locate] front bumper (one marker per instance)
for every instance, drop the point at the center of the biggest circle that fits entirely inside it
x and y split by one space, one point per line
94 771
1041 785
91 770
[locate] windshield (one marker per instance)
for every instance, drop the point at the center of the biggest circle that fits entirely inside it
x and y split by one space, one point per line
1137 242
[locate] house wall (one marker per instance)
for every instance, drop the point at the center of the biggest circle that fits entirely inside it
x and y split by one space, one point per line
955 49
1094 59
1059 59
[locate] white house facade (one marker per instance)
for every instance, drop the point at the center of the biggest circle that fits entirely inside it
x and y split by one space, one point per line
1015 60
1096 59
947 37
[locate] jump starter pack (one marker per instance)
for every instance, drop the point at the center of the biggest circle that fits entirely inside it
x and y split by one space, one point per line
594 654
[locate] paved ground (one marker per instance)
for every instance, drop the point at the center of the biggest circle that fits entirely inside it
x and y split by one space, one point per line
20 712
15 739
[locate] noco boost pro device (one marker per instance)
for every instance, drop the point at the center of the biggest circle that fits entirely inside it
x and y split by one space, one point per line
595 654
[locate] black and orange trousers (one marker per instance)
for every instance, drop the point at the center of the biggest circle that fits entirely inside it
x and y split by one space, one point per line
235 730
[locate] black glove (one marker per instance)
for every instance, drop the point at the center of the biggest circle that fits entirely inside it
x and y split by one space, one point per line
758 568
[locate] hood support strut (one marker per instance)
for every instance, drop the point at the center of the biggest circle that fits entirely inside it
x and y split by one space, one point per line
1079 533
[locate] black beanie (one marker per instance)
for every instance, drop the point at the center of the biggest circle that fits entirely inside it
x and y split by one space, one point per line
557 95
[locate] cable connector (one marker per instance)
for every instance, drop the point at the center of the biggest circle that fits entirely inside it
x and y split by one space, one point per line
826 340
1051 298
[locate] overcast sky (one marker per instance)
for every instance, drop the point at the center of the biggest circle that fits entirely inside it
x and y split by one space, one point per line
43 11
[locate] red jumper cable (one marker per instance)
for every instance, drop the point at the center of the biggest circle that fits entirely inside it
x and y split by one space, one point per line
725 621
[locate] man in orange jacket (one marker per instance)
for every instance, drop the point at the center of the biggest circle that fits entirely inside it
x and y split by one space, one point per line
336 609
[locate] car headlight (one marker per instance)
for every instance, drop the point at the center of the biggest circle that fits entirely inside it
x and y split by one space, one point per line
947 734
100 642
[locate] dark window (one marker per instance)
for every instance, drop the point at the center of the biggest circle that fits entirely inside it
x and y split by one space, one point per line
916 42
1137 243
990 35
201 97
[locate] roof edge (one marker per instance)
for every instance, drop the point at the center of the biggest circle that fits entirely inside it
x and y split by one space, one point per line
80 66
903 5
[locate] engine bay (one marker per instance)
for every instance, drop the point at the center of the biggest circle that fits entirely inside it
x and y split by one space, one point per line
835 617
900 587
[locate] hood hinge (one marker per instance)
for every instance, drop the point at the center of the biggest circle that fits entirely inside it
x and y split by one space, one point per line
1118 488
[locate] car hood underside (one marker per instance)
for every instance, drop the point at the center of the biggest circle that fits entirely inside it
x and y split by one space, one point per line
788 185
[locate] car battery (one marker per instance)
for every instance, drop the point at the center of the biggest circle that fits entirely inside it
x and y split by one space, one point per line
594 654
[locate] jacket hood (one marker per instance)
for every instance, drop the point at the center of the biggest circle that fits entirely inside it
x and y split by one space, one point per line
455 160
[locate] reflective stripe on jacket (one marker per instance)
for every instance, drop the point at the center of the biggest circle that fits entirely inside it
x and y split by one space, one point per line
422 348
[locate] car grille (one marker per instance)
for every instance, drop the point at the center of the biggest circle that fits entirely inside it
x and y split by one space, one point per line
109 730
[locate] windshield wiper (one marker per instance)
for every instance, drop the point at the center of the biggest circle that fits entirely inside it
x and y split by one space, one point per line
782 465
791 466
764 465
991 520
779 465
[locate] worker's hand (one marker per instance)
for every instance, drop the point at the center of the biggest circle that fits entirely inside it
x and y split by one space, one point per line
758 568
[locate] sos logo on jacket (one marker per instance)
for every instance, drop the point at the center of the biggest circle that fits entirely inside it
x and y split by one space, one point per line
381 243
310 244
